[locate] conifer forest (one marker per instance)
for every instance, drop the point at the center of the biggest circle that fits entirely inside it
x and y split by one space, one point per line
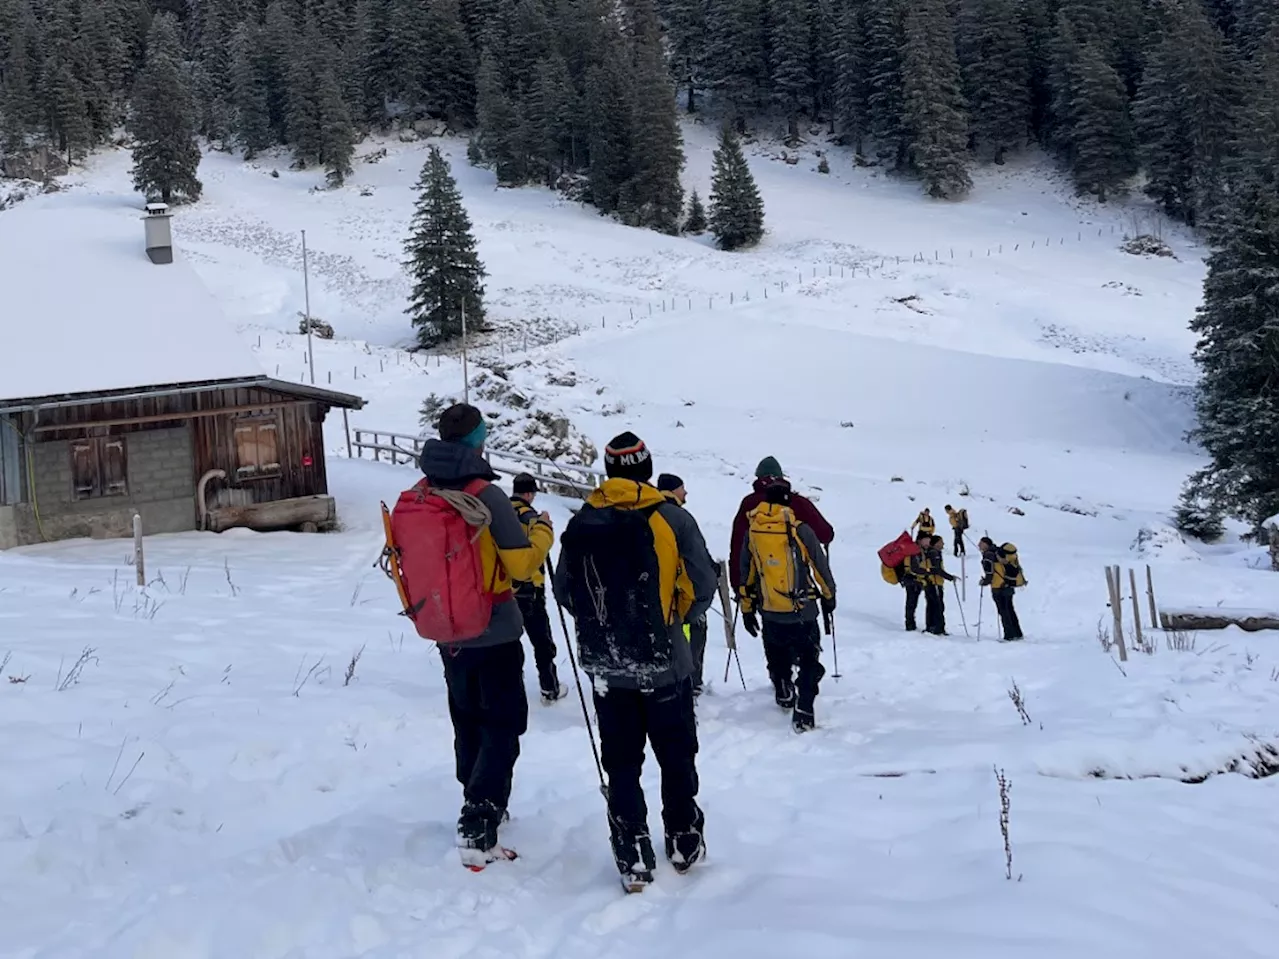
1176 99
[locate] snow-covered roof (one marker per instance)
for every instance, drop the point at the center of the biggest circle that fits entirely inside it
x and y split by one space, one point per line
82 308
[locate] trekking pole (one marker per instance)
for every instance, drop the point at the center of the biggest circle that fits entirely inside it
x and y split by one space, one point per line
835 650
733 653
960 605
582 699
981 591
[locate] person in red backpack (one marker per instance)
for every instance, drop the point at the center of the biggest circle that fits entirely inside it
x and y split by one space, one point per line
485 675
769 473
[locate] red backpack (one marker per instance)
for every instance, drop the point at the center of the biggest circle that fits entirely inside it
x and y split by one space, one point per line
433 555
895 553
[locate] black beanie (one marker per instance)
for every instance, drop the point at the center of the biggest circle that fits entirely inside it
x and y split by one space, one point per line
669 481
626 457
459 422
524 483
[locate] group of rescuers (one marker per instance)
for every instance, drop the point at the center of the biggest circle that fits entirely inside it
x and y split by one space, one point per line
774 527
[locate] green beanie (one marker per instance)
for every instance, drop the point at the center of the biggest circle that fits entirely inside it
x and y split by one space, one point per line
769 466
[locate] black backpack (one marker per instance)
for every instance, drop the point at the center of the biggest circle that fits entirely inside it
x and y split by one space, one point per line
612 582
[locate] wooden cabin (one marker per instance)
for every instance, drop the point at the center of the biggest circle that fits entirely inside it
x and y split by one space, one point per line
132 393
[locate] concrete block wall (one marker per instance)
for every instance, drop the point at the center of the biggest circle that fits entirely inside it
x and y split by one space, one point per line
160 481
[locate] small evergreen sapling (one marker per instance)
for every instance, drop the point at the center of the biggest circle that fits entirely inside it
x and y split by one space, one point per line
696 221
443 263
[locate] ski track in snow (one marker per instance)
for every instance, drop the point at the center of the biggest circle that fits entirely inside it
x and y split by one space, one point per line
210 788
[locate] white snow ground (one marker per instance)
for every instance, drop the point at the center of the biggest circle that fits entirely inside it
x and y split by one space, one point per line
200 790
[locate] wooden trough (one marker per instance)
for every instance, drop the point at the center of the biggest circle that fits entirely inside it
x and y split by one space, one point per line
305 513
1189 619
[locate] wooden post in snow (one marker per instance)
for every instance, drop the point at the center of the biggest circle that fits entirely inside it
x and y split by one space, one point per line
138 562
346 428
1151 600
1117 612
1137 611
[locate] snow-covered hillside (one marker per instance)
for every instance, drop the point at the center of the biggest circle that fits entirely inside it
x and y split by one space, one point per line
208 785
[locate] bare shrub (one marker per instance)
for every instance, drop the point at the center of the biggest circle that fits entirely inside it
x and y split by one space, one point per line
1015 696
1104 635
300 678
351 666
1006 788
1180 641
72 676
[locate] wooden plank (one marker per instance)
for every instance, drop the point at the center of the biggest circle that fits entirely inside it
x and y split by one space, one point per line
275 515
164 417
1190 620
1137 612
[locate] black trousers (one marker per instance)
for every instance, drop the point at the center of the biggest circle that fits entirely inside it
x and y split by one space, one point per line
698 647
490 713
913 600
537 626
795 644
935 619
627 718
1009 624
958 547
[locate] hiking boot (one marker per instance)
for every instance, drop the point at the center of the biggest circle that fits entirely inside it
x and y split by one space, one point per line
632 851
478 826
802 721
549 696
687 847
911 627
784 692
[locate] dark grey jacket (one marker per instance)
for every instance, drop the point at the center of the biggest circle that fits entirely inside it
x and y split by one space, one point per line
808 612
453 466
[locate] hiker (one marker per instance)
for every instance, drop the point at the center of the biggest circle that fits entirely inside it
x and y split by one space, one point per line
485 675
959 519
531 595
769 473
633 570
935 606
786 580
914 577
925 522
1003 573
672 487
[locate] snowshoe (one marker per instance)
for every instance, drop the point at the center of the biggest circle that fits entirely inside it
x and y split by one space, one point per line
801 721
636 880
784 693
633 854
477 859
550 696
684 849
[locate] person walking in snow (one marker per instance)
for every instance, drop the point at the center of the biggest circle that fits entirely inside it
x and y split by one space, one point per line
1002 571
485 675
786 581
672 487
633 570
914 578
959 519
935 596
531 595
924 522
769 473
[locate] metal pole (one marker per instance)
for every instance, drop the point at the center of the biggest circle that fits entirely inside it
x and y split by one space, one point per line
137 549
306 298
466 380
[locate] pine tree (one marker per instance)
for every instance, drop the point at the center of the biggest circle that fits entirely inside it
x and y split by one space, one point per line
498 137
68 111
101 57
163 121
337 135
1237 356
688 32
1037 25
19 107
884 39
212 79
791 79
450 66
933 107
446 271
1100 133
252 115
824 46
610 132
737 212
852 109
696 220
1182 116
736 54
652 196
993 63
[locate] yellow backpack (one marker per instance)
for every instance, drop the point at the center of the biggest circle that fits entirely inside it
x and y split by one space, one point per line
776 584
1007 570
890 575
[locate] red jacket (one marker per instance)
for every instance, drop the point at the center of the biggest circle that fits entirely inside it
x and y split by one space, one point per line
805 512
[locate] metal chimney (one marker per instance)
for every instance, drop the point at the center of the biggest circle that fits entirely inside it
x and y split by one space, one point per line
159 236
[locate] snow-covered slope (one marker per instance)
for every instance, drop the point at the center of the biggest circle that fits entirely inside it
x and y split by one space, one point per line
209 787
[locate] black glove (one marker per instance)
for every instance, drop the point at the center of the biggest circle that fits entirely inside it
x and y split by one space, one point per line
828 605
985 581
751 624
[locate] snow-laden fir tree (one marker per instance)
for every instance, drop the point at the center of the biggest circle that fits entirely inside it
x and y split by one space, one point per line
1182 115
696 220
933 107
737 212
735 58
652 197
1099 132
791 55
166 155
852 111
993 65
688 29
248 91
442 260
884 39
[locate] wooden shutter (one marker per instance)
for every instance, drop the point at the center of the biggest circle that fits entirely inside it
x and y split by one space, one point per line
268 449
246 450
257 447
85 481
111 459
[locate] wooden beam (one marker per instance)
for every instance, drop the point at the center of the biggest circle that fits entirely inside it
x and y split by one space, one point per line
1211 618
168 417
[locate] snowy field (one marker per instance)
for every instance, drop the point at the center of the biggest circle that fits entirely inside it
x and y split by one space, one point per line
207 783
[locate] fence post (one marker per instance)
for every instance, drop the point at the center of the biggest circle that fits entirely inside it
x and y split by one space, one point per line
1117 611
1137 613
346 428
1151 600
137 549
